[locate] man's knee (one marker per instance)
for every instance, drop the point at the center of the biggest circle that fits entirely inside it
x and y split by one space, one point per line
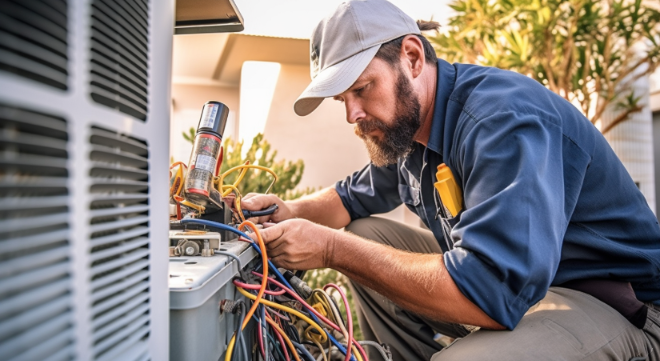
395 234
369 228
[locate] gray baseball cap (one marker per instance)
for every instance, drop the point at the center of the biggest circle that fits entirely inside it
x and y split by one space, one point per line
344 43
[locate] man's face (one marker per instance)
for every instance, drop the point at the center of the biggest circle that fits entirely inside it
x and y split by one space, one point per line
385 110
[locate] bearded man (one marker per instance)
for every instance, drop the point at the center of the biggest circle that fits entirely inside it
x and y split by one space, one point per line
543 248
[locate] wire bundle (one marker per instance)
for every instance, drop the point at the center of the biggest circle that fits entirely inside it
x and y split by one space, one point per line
287 325
277 308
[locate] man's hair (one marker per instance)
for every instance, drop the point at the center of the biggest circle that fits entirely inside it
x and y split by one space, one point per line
389 52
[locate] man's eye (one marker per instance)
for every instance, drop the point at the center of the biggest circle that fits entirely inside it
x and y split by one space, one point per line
358 91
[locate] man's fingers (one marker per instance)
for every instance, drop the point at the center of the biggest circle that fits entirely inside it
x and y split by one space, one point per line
271 234
258 201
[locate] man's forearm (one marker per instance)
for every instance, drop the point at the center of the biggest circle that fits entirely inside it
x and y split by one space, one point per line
323 207
417 282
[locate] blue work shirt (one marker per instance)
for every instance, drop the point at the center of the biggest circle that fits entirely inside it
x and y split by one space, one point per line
545 199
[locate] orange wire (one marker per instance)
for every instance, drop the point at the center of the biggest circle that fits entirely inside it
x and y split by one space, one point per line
178 163
264 280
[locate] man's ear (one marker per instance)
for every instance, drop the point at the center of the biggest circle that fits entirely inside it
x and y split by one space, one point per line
412 55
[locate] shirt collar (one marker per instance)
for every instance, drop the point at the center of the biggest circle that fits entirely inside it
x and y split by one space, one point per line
444 87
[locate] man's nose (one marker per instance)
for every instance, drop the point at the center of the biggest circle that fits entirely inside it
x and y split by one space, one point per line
354 111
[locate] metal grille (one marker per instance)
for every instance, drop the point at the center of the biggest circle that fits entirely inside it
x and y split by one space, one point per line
36 319
119 55
119 245
33 40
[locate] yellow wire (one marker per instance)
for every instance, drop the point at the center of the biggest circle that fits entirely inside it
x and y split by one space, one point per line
313 337
324 337
319 295
285 337
199 208
246 166
356 353
241 175
237 201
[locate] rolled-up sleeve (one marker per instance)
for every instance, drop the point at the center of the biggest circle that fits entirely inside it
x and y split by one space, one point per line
508 240
371 190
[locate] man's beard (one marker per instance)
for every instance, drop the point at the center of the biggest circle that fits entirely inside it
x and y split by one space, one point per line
397 138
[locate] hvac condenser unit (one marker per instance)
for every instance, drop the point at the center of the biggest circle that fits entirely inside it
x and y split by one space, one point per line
84 128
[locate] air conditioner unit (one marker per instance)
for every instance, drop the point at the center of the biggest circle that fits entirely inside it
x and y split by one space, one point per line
84 134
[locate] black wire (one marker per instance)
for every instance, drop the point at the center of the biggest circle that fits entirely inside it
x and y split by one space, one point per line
263 212
276 347
244 348
239 333
303 351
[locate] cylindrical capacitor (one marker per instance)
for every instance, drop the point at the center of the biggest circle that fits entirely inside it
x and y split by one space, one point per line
205 158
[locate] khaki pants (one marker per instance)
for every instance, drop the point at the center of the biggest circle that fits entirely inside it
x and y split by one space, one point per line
565 325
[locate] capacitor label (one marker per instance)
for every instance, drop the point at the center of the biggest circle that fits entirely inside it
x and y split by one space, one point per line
208 115
198 180
205 162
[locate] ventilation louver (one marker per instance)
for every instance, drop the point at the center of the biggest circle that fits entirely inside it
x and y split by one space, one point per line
119 55
119 245
33 40
36 319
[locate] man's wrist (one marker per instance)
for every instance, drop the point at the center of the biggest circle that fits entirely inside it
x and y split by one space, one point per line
292 206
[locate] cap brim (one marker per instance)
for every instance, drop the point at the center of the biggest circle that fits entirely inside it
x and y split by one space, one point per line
333 80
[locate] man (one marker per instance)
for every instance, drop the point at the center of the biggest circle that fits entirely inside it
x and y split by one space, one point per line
549 251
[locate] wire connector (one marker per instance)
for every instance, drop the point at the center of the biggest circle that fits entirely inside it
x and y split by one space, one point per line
231 306
298 285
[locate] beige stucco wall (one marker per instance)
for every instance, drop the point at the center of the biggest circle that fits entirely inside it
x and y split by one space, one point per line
323 139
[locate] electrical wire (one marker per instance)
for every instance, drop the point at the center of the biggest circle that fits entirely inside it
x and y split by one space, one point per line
220 181
237 201
286 309
329 305
229 254
316 342
332 309
264 283
194 206
284 355
225 227
284 336
304 351
387 356
239 334
260 336
349 339
314 314
249 286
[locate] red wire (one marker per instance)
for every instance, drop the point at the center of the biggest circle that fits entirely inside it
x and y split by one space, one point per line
279 337
349 318
314 311
249 286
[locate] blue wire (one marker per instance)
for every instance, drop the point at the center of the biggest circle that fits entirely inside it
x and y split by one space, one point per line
271 266
234 230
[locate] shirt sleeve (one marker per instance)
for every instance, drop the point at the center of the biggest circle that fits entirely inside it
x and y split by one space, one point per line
371 190
508 240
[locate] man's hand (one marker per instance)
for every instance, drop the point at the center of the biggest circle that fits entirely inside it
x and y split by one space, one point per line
299 244
257 202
